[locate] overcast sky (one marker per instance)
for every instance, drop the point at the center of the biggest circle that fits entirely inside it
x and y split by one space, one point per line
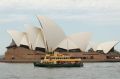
100 17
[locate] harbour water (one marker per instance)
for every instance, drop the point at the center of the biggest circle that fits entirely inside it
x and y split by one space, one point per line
89 71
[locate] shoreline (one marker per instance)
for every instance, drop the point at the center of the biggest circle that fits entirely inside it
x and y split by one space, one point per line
84 61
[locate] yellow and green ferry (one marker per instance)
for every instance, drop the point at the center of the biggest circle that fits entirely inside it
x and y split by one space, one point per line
58 60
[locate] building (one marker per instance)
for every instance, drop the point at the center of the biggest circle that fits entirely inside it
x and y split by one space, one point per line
32 44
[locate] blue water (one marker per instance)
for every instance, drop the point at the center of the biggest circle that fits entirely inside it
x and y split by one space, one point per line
89 71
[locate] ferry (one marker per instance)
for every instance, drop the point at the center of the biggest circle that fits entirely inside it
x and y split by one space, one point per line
58 60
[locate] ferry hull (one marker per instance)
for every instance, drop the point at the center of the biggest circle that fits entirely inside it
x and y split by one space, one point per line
37 64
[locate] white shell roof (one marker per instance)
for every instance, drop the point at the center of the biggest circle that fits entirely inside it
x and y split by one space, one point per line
92 45
16 36
81 39
49 36
35 37
25 40
39 42
53 34
19 37
32 34
67 44
107 46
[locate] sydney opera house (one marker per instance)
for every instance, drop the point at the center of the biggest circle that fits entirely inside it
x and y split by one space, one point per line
32 44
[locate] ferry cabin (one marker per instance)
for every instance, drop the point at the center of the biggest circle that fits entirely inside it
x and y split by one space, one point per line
60 59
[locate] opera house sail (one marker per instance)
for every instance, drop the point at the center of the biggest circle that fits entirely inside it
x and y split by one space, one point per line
106 46
53 34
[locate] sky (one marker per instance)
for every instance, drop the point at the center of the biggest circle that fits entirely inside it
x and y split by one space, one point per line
100 17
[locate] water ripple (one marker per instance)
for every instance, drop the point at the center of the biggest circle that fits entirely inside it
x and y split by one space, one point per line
89 71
